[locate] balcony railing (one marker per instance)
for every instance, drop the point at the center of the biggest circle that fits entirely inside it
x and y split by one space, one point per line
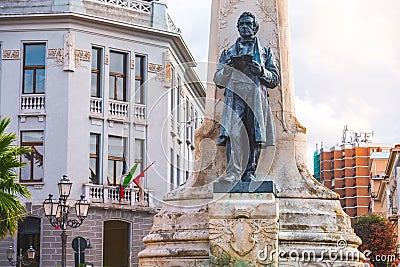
33 102
96 105
118 109
135 5
140 112
102 194
171 25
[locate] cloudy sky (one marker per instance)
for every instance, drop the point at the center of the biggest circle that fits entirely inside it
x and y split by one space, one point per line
346 56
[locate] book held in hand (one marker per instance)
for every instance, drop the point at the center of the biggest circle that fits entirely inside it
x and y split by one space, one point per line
241 62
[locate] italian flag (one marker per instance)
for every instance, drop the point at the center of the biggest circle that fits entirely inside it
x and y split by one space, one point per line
128 179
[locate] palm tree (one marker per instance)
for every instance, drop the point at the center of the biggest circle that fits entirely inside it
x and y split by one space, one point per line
11 209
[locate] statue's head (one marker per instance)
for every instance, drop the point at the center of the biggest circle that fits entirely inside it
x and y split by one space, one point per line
247 25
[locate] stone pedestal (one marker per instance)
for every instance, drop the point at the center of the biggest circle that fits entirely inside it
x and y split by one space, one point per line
179 237
243 229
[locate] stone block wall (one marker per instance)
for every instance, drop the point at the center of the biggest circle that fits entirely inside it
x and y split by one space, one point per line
92 229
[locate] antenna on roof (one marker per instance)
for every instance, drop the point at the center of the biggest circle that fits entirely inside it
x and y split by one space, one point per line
344 135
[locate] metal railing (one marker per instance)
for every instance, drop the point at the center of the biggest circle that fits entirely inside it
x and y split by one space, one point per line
135 5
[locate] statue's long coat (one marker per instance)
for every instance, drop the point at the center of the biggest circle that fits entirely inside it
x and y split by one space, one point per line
235 82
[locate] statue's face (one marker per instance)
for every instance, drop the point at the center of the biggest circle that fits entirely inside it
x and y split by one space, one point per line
246 27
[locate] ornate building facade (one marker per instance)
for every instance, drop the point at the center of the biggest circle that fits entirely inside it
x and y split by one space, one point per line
91 86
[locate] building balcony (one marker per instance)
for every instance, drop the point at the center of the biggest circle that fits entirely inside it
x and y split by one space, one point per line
33 103
96 106
106 196
150 13
139 6
118 110
139 112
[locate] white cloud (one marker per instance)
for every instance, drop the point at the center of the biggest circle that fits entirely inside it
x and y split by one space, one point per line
193 18
346 65
324 124
346 56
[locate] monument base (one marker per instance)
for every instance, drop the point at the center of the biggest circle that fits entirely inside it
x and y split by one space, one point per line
242 227
251 229
316 232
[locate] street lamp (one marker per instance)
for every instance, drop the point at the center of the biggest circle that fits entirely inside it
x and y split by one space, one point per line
20 258
57 212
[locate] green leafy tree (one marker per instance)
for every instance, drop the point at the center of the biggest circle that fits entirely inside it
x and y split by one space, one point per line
11 209
376 234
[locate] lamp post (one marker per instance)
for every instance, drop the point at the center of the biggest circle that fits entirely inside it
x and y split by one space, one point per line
20 258
58 211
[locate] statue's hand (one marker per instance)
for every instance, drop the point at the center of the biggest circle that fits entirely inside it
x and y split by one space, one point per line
228 67
229 63
256 68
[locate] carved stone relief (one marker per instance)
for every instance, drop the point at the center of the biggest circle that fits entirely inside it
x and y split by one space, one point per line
166 76
11 54
153 67
243 230
81 55
266 14
228 8
158 69
267 11
107 60
57 54
225 44
69 52
243 240
167 73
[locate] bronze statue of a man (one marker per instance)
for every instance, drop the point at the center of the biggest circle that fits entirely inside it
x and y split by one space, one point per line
245 71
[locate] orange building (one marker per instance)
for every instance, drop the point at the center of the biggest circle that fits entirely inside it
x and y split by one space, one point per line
345 169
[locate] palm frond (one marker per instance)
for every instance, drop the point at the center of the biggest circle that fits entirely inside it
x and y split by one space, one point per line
11 213
11 209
